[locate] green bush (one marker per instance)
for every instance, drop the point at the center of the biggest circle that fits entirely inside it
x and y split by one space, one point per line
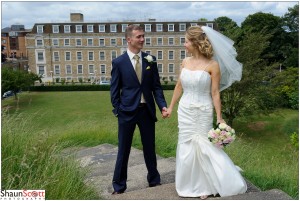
295 139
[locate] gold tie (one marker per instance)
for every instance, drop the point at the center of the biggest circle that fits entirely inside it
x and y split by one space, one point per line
138 71
138 67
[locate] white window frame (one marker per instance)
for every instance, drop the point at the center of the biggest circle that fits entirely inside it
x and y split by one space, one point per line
78 28
113 43
113 28
124 26
104 57
193 24
77 40
124 41
162 55
182 40
66 39
169 68
68 67
66 59
78 69
37 61
148 27
41 40
90 28
88 40
159 27
113 51
79 57
148 41
148 52
91 53
169 54
162 41
181 56
54 40
38 69
55 28
101 70
56 70
211 25
91 70
100 39
171 27
67 28
56 56
162 67
40 29
101 27
171 40
182 29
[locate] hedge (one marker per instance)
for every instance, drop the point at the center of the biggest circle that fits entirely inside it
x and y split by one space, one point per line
82 88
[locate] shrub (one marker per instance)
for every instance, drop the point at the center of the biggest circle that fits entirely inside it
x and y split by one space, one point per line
295 139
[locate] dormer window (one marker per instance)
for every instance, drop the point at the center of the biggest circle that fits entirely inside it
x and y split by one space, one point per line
90 28
40 28
55 28
78 28
170 27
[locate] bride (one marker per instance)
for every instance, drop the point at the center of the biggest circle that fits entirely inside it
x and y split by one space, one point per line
202 169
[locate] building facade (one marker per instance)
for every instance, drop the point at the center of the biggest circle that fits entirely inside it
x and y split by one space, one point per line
80 50
14 42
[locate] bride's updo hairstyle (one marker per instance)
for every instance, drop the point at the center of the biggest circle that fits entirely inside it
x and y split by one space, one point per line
200 41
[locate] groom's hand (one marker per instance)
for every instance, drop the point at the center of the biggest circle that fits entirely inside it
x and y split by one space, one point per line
164 112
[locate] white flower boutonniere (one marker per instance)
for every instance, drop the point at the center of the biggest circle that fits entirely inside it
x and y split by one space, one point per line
149 58
148 68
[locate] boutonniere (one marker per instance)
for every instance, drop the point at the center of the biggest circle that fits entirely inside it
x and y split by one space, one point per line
149 58
148 68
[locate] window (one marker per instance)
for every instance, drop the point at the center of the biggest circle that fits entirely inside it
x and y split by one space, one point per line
113 54
67 56
182 27
67 42
41 69
171 68
101 42
67 28
182 40
56 56
160 54
55 42
102 69
39 42
182 54
113 42
68 69
91 56
90 28
124 26
211 25
40 56
79 56
171 41
124 41
89 42
101 28
171 55
56 69
91 68
148 41
193 24
40 29
159 27
113 28
159 41
160 68
170 27
148 52
147 27
78 28
55 28
79 69
102 56
78 42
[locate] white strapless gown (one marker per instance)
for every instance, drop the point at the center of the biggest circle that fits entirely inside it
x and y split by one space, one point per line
201 167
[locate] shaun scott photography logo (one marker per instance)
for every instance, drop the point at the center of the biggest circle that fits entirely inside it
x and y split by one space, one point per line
22 195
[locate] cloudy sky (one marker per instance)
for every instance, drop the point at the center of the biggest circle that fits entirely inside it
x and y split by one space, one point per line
30 12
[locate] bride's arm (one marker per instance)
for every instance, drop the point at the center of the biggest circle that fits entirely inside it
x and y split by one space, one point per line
177 92
215 90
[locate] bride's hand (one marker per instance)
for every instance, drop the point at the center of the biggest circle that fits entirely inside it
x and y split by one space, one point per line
219 121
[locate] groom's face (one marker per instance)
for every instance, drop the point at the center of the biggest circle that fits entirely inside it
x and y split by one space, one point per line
136 40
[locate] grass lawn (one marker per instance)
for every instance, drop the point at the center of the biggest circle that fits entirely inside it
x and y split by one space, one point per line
263 149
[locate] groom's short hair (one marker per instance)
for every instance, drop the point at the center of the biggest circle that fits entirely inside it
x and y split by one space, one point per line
130 28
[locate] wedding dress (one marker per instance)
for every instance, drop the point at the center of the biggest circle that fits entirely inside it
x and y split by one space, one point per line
201 167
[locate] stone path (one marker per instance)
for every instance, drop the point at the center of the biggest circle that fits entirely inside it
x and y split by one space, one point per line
100 161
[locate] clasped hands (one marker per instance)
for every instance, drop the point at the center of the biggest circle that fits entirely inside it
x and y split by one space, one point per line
166 112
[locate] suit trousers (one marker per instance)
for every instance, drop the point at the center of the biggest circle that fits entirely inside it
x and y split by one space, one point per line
127 122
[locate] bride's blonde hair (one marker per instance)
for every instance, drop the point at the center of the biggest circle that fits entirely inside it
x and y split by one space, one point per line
199 40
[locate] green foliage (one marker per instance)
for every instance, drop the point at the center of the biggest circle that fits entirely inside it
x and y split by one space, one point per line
16 80
295 139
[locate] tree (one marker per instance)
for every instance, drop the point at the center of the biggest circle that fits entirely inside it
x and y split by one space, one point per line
16 80
225 24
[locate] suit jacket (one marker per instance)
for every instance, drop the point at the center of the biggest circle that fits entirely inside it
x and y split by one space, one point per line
125 89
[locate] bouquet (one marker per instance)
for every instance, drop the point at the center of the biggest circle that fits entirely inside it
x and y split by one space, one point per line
222 136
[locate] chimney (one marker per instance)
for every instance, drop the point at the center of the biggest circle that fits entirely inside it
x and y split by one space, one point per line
76 17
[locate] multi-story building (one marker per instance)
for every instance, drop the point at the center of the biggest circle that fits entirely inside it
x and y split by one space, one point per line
81 50
13 41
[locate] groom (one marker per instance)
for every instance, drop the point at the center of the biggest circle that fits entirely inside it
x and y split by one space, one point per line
134 86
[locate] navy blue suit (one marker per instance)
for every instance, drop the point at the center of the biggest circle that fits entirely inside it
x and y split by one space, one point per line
126 93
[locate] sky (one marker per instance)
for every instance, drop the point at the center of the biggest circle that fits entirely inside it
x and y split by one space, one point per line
30 12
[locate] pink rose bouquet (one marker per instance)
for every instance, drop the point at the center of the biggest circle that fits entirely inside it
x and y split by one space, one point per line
222 136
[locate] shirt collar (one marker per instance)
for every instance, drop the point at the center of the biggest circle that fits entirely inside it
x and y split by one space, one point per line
131 54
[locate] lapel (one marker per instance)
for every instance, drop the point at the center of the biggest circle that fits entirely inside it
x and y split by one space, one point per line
144 64
130 68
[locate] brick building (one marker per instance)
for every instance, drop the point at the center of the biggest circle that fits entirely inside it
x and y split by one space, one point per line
81 50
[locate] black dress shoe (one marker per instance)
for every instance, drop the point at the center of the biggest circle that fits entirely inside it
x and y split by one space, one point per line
153 185
116 193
